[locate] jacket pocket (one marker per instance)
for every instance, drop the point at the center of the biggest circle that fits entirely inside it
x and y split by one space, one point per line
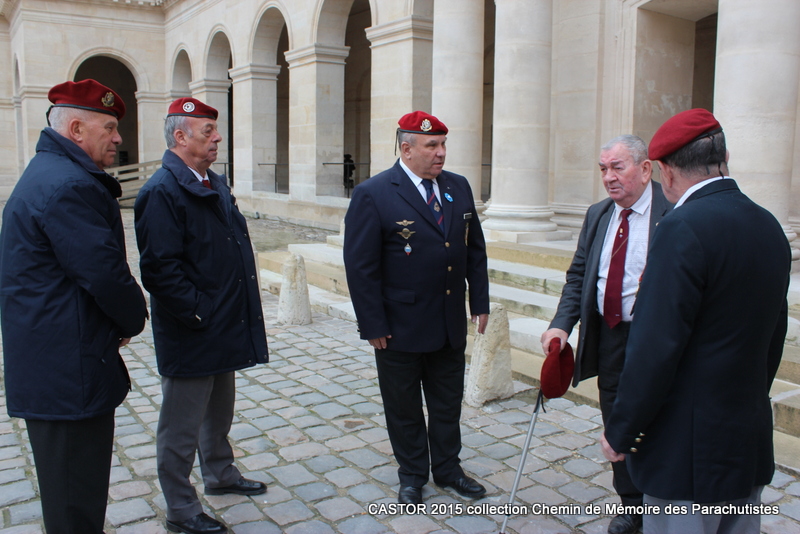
406 296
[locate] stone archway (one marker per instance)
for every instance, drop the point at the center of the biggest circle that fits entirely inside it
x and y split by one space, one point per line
216 90
116 75
357 90
181 76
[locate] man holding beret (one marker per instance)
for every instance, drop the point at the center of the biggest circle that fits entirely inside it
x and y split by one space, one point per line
412 242
68 303
198 265
693 413
602 282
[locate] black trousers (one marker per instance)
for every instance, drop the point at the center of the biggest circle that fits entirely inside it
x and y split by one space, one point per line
611 358
420 449
73 464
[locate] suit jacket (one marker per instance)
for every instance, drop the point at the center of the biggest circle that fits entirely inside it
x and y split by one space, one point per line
693 411
579 296
406 278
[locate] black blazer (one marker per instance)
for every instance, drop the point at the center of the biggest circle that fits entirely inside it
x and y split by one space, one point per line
693 411
415 294
579 295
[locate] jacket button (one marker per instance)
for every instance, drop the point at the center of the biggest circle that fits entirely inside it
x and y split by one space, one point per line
449 268
252 277
634 449
448 291
447 244
641 434
260 318
638 440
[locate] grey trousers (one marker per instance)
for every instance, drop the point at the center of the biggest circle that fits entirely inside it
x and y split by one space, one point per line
196 415
699 523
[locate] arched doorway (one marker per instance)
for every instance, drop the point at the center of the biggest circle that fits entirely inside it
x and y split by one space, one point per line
114 74
216 90
181 76
357 92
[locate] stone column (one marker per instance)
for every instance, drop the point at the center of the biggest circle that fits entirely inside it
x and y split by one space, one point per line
457 79
755 99
152 111
215 94
401 81
316 120
255 133
519 209
34 105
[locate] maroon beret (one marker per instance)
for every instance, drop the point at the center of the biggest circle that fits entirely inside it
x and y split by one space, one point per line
557 370
191 107
420 122
87 94
682 129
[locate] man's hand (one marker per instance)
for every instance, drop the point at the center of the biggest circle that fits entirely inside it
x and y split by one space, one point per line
550 334
610 454
379 343
481 321
124 341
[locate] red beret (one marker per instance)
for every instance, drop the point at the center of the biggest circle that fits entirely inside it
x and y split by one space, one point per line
557 370
87 94
421 123
682 129
191 107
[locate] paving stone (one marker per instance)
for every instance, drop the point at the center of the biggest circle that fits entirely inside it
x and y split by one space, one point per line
366 493
289 512
551 454
345 477
315 491
127 490
345 443
292 475
550 478
331 410
365 458
582 468
287 435
310 527
25 512
362 525
323 432
324 463
499 451
304 450
338 508
242 513
128 511
581 492
16 492
12 475
540 494
367 408
472 525
259 461
793 489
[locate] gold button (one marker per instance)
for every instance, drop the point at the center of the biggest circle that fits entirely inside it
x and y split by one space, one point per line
448 291
638 440
641 434
634 449
449 267
447 244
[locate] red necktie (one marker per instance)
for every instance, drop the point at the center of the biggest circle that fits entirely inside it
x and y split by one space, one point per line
207 183
612 304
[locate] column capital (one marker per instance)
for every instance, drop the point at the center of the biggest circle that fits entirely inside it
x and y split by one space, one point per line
150 97
254 72
317 53
413 27
33 91
209 85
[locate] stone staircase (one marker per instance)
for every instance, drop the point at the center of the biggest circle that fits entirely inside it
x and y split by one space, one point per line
527 280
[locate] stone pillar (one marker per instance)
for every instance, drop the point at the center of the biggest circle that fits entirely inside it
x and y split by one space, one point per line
316 121
756 96
490 366
152 111
401 81
519 209
255 128
215 94
457 79
34 105
294 306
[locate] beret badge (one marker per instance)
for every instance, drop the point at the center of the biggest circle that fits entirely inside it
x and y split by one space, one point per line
108 100
188 107
426 126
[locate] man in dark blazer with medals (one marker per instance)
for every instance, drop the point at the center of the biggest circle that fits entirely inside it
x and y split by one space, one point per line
693 413
590 295
413 241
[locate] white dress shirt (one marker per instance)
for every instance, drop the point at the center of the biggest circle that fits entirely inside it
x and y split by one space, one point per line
635 256
420 187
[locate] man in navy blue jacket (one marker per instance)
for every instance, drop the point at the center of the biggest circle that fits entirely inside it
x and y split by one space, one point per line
413 241
198 265
68 303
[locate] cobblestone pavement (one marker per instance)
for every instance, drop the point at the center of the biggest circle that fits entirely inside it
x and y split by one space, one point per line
310 424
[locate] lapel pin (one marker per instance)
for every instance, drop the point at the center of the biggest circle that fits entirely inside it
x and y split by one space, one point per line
448 197
407 248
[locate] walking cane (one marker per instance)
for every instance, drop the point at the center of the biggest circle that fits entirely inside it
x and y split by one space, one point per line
554 382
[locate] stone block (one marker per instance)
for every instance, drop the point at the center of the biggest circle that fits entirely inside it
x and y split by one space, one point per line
294 306
490 367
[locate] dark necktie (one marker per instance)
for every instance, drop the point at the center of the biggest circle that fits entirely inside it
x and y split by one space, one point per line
612 304
207 183
433 203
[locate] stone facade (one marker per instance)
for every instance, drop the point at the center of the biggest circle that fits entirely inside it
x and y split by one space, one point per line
530 90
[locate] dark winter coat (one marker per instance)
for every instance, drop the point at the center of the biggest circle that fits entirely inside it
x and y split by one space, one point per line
198 265
67 296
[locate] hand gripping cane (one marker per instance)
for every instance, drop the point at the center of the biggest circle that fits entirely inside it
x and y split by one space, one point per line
554 382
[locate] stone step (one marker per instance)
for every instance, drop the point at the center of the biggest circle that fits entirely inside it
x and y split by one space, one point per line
551 254
527 359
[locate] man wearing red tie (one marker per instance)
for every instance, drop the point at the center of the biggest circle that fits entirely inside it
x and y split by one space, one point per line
602 283
198 265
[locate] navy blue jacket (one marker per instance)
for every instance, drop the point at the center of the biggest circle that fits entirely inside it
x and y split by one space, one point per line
415 294
693 412
67 296
198 265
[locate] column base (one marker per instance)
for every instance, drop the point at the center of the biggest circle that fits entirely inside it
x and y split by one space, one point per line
526 238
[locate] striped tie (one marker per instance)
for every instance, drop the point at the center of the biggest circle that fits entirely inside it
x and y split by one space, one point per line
433 203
